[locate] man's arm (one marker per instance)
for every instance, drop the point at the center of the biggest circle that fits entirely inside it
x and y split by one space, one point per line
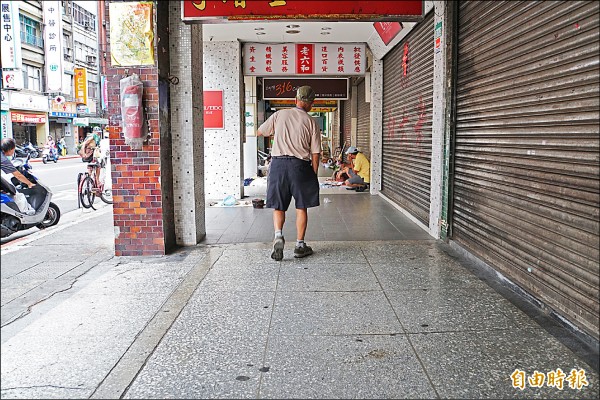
22 178
315 161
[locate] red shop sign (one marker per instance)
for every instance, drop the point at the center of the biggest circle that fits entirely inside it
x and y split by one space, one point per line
387 30
28 118
213 109
302 9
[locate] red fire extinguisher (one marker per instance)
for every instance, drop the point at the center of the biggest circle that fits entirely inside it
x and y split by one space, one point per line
132 115
132 90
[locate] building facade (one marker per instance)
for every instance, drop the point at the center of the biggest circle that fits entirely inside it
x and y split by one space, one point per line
50 51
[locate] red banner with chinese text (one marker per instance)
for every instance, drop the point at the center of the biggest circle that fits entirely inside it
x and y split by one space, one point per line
305 58
27 118
302 9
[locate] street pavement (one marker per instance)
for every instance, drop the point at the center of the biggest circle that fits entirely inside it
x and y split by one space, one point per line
357 319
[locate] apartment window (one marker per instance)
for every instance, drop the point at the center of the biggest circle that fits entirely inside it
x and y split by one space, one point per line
92 90
31 31
67 50
84 18
32 77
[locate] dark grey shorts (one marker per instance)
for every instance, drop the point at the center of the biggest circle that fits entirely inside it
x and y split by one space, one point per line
291 177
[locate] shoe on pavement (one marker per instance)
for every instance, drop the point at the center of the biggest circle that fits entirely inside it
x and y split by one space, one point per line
303 251
278 245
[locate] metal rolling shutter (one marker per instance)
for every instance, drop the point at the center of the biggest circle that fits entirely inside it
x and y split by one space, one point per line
335 130
346 123
407 111
526 186
363 134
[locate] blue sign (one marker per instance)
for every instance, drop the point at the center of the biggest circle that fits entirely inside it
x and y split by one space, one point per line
62 114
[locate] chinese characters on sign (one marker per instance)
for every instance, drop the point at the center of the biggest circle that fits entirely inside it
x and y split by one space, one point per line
213 109
80 79
11 38
53 45
575 380
28 118
387 30
295 9
304 59
131 33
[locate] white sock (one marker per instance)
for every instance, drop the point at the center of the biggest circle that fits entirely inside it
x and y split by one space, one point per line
300 243
278 234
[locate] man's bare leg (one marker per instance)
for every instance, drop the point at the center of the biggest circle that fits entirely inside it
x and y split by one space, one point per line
301 223
279 241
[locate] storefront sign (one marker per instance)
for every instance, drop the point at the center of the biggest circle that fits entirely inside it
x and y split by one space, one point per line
103 93
214 117
53 45
6 127
131 33
28 101
325 88
64 109
12 78
297 9
292 103
87 121
304 59
437 37
11 35
5 100
387 30
28 118
80 82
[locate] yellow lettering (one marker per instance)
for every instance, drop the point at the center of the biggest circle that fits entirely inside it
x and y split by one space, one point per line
199 5
277 3
239 4
556 379
518 379
537 379
577 379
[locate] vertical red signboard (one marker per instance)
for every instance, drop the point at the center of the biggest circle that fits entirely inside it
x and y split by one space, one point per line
304 58
213 109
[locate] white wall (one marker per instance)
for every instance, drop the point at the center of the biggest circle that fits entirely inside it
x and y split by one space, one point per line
223 147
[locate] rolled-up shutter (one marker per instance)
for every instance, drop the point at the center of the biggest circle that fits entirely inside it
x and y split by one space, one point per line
407 111
526 184
363 123
346 124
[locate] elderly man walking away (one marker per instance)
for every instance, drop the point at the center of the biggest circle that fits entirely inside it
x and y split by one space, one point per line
293 172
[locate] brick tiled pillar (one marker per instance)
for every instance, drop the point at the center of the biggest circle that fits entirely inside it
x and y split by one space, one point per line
142 196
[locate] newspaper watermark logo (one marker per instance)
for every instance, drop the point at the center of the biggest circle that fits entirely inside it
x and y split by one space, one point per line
557 378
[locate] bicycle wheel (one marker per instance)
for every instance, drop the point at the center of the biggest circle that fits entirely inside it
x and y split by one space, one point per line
87 195
106 192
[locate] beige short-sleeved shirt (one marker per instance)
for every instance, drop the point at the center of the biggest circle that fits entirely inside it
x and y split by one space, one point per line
296 133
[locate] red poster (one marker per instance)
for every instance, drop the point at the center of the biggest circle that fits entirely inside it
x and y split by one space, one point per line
213 109
372 10
387 30
305 58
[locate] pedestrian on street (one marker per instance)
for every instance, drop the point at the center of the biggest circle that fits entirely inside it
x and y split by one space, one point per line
293 172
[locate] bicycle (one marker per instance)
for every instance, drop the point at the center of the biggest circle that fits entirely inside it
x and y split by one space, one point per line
88 187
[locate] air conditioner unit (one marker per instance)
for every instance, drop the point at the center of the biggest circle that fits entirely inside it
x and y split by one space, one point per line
90 59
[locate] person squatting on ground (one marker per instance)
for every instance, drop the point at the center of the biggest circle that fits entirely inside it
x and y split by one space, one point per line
293 172
360 170
8 146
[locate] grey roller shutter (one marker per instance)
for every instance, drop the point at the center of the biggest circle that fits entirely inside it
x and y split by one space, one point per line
526 181
363 124
407 111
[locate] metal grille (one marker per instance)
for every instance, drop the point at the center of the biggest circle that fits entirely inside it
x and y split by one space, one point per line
346 125
526 185
407 111
363 134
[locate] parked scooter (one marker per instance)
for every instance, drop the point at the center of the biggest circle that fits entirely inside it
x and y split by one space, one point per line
49 155
29 148
39 210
